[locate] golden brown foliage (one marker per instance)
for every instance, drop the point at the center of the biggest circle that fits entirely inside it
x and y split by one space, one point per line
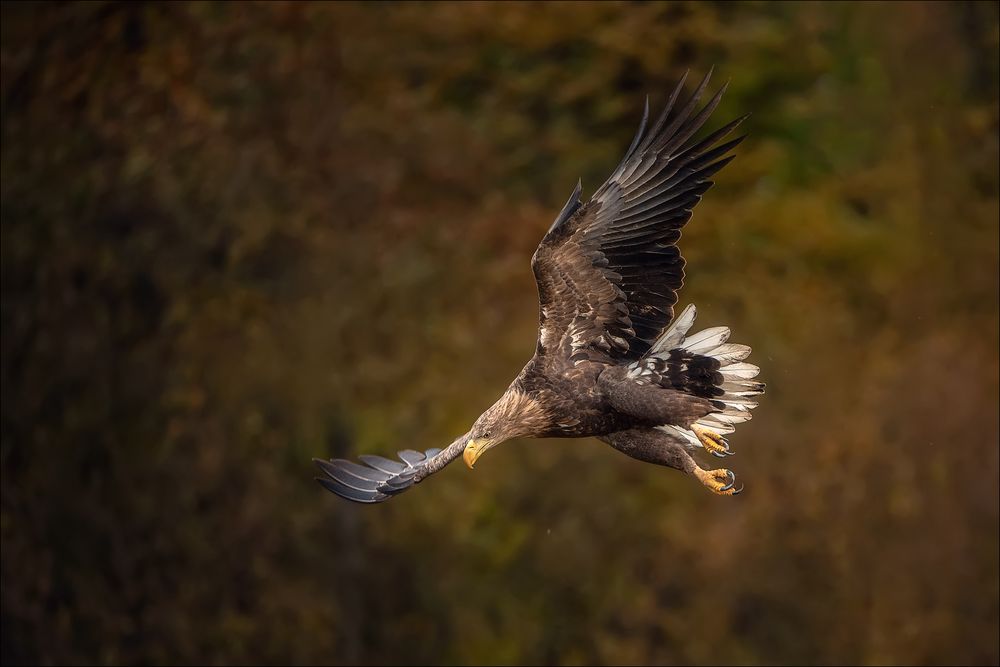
236 236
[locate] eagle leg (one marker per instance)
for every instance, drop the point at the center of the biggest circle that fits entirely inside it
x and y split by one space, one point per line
656 446
714 443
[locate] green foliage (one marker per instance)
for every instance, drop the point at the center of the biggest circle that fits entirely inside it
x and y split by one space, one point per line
236 236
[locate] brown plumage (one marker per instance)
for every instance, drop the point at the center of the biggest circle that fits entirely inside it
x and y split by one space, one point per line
611 361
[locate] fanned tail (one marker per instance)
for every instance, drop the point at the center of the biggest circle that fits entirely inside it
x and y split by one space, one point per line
704 364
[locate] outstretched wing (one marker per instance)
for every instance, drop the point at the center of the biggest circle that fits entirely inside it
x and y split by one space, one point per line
608 271
381 478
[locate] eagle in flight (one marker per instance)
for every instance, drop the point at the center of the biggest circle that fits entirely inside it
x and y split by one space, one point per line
611 360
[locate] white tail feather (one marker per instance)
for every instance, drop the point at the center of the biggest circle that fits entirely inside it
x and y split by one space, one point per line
730 418
716 425
741 370
674 335
708 339
741 401
691 440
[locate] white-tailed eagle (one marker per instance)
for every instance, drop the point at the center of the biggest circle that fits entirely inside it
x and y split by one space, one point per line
611 360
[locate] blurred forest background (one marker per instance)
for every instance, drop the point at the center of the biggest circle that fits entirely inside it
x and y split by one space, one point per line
237 236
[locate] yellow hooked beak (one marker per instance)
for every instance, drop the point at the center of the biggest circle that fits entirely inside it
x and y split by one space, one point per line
474 450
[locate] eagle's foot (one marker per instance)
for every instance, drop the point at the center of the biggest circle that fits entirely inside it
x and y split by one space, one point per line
713 443
720 481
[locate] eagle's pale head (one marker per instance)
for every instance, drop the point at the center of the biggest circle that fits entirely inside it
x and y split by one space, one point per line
515 415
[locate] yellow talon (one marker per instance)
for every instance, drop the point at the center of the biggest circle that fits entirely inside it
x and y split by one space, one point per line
713 443
720 481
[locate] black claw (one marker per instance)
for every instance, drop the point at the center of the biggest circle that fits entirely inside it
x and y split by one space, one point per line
738 491
732 481
717 454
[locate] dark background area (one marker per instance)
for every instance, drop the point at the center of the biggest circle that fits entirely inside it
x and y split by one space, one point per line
237 236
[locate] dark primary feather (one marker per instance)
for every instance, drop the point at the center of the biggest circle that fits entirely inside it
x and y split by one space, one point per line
608 271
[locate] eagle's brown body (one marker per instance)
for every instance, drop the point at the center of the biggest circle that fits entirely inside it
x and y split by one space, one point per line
611 361
595 399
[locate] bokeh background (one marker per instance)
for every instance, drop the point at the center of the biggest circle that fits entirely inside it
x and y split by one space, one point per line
237 236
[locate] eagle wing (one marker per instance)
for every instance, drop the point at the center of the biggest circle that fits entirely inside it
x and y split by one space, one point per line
377 478
608 271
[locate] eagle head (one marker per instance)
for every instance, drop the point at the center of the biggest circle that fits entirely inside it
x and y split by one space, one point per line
515 415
